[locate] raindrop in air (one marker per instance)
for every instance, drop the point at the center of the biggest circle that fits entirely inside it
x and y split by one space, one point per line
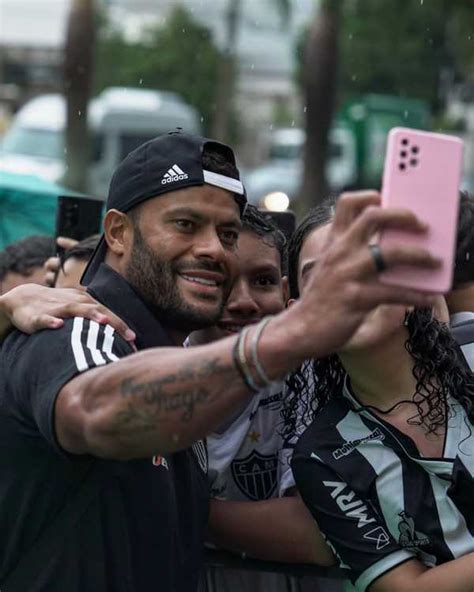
140 81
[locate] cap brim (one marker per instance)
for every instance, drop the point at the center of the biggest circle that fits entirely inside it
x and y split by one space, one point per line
95 261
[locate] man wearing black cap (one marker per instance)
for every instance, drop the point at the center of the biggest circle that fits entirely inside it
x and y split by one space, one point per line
103 472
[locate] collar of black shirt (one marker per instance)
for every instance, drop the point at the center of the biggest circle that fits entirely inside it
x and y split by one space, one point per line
114 292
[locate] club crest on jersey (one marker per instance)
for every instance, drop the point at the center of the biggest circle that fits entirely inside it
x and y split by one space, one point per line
160 461
256 475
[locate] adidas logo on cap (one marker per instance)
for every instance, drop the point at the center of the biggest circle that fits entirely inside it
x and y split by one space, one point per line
174 174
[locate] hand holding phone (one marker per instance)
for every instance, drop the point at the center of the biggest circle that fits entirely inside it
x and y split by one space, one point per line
422 173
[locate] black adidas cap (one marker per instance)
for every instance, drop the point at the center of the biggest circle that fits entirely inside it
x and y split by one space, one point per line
166 163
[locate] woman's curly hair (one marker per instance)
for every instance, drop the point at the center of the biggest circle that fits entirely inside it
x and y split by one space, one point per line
438 368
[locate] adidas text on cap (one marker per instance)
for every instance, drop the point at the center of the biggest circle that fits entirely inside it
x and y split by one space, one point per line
166 163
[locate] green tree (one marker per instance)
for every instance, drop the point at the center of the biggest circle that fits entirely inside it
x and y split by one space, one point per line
179 57
404 47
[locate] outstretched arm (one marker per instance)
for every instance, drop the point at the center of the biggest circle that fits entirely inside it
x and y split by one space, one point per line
164 399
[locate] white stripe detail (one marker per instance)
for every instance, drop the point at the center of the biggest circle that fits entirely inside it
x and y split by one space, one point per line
76 344
92 335
224 182
178 170
455 532
386 463
108 343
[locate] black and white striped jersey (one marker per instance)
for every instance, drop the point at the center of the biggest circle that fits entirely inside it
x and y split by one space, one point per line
376 500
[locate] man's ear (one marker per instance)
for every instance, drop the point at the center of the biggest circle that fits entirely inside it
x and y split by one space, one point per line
118 231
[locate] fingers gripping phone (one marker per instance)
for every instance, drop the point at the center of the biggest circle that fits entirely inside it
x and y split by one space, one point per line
422 173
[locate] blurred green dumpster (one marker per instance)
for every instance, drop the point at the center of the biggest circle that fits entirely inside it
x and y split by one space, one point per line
27 206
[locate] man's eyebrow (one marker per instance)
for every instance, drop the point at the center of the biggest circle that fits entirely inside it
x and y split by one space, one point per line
184 211
198 217
308 266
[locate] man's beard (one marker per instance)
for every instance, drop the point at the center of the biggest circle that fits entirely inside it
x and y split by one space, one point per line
155 280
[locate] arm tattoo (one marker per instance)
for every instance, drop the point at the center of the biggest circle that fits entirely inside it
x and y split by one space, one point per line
149 402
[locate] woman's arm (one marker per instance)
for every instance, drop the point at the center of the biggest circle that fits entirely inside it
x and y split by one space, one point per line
454 576
279 529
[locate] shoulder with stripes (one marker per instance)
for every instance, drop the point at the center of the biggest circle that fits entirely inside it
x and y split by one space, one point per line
95 345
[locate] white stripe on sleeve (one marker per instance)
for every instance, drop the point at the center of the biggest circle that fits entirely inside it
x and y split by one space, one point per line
92 335
76 344
108 343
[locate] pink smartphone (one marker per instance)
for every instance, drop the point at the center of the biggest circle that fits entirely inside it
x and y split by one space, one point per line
422 173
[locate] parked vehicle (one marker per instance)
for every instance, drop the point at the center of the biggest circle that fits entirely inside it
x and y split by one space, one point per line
355 155
120 119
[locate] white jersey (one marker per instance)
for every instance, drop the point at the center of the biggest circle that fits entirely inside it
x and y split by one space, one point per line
243 457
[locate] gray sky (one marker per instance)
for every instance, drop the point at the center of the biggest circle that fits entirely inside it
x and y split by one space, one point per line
37 22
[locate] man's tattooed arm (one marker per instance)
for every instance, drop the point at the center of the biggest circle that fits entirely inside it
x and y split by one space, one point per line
152 402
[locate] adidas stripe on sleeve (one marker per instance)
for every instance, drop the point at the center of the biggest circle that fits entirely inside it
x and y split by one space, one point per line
41 364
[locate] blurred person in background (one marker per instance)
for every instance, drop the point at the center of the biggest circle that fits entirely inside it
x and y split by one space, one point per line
52 264
22 263
385 466
73 262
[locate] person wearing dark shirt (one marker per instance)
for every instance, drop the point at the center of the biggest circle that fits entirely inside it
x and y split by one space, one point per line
103 473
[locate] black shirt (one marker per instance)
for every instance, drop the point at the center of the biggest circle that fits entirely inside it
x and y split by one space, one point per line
376 500
144 530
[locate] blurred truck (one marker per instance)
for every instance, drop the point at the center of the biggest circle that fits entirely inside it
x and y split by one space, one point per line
356 149
120 119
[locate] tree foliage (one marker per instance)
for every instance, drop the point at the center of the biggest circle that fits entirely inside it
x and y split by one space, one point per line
403 47
180 56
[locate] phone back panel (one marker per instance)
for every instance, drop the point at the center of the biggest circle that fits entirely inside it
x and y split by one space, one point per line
422 173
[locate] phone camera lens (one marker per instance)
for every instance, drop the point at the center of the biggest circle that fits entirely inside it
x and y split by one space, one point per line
402 166
404 142
403 153
415 149
414 161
